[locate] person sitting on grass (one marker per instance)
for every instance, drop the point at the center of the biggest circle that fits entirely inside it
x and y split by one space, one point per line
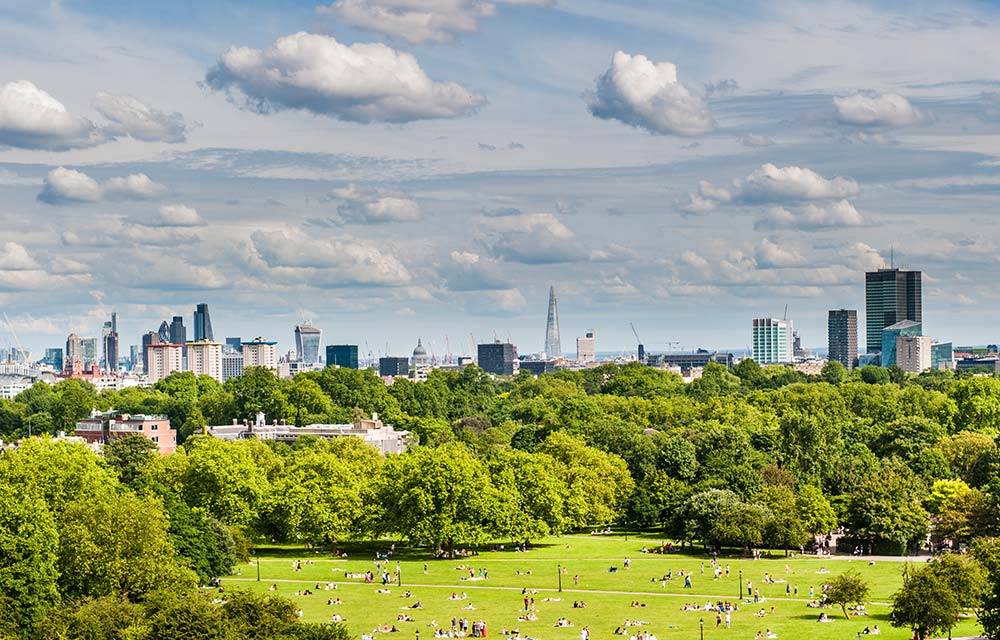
770 634
417 605
823 617
407 594
563 622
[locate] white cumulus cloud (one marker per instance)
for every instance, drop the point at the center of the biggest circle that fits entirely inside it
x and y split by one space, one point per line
883 110
812 217
129 116
646 94
295 257
30 118
419 21
66 186
362 82
364 205
176 215
772 184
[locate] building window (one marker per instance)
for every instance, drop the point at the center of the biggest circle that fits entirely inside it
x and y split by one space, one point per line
154 427
155 439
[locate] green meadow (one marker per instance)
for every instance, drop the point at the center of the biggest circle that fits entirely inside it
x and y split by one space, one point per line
609 596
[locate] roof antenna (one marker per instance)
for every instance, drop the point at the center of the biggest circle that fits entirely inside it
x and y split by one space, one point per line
892 259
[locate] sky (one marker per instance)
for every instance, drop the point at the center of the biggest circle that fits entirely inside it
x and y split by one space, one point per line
395 169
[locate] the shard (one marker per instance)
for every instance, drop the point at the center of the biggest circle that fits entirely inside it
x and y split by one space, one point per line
552 347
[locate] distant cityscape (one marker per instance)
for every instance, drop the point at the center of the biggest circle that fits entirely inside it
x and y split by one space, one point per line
894 336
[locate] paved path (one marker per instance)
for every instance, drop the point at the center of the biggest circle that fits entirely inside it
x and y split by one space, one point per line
472 587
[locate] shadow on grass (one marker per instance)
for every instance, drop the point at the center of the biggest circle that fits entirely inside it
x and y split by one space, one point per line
369 549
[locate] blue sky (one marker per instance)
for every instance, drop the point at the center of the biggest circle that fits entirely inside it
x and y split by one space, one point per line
399 168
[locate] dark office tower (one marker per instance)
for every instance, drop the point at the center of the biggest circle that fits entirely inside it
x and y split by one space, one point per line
178 332
891 296
110 339
552 347
393 366
147 339
842 336
342 355
202 323
497 358
234 345
307 338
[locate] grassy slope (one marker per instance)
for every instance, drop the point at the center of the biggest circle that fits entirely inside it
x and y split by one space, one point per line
498 600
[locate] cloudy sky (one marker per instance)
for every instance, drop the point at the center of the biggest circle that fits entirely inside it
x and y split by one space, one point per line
395 168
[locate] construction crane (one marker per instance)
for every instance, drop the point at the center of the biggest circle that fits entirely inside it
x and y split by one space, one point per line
447 349
20 347
642 350
671 344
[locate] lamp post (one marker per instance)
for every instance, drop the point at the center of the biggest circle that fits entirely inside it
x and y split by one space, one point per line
701 623
559 570
741 584
418 634
258 566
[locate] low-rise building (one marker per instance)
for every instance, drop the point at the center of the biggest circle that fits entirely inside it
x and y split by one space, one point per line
383 437
101 428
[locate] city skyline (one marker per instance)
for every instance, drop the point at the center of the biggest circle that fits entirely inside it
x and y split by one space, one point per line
143 169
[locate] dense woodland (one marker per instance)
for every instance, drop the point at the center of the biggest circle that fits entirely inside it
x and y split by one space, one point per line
753 458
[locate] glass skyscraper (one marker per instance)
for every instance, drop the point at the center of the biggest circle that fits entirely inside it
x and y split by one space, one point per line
202 323
772 341
307 338
342 355
891 296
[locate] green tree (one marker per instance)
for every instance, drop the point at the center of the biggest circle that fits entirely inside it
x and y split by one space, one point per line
698 514
978 402
106 618
257 390
874 375
319 498
598 483
785 529
28 552
815 512
833 372
259 616
886 507
120 546
75 399
655 499
847 589
130 456
187 615
437 496
224 478
306 400
743 526
932 597
529 492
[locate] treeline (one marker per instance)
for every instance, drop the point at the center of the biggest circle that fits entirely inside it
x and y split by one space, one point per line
750 458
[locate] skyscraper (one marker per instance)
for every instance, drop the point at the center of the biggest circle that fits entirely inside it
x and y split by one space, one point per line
88 352
772 341
163 360
109 340
202 323
163 333
891 296
342 355
74 352
54 358
233 345
842 336
552 347
903 328
178 332
307 339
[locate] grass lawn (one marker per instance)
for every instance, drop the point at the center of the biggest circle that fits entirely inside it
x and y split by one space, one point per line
498 599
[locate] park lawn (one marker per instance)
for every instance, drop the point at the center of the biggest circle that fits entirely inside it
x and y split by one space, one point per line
498 600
